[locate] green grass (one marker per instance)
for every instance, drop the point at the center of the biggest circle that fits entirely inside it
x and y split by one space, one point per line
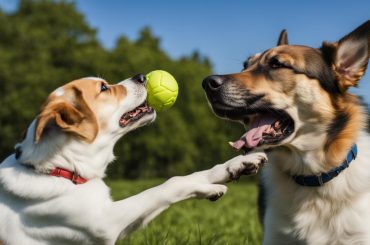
230 220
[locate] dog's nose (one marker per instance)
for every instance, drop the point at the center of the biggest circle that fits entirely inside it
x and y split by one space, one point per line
140 78
213 82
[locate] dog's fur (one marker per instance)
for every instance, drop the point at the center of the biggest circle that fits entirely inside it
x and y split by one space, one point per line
311 86
76 130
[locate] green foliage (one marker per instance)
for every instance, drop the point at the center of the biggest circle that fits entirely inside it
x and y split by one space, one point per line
44 44
230 220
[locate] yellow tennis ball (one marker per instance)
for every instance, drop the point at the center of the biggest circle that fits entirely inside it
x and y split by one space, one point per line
162 90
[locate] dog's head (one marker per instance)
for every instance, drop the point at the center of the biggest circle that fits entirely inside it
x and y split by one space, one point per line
88 107
84 119
294 95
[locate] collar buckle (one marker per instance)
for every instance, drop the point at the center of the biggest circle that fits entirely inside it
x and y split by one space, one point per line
74 178
319 178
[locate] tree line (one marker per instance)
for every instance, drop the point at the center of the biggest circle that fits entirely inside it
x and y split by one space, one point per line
44 44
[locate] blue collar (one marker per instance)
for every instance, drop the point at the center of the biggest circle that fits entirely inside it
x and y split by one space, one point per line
321 179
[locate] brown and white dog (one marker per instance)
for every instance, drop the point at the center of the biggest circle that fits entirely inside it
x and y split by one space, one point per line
295 104
51 189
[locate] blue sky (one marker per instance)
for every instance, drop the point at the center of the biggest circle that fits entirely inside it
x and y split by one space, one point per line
225 31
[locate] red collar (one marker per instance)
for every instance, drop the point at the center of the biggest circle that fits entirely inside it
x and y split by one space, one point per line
72 176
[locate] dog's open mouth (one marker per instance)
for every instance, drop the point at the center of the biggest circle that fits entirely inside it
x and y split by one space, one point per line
265 128
135 114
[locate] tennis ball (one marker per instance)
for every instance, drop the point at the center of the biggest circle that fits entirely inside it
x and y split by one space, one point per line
162 90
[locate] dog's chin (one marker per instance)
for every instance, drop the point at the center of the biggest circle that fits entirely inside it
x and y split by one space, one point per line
145 120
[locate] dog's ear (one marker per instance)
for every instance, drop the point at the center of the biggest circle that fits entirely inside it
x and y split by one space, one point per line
283 38
349 56
73 117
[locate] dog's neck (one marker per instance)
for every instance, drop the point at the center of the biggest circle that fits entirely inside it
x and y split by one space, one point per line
315 153
337 147
88 160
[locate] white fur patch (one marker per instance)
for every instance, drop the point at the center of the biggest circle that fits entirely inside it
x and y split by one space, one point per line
95 79
59 91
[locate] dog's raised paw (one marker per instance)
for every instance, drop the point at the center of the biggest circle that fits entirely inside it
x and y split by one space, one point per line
246 164
218 192
215 197
211 192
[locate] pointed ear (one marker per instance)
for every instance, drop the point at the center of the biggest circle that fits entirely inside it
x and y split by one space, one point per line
349 56
283 38
74 118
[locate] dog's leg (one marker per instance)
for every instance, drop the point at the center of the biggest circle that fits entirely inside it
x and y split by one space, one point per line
237 166
140 209
136 211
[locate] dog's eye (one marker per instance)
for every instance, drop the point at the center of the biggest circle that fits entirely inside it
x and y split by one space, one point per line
275 64
103 87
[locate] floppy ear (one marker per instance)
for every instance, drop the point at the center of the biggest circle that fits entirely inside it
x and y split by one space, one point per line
283 38
74 117
349 56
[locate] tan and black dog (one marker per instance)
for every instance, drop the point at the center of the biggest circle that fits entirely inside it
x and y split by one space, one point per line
295 104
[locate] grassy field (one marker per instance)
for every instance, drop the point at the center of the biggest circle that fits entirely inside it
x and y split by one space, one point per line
230 220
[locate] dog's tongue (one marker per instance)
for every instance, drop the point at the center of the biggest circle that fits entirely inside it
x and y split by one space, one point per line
260 124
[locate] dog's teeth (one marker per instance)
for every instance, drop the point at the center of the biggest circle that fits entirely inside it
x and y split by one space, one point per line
277 124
